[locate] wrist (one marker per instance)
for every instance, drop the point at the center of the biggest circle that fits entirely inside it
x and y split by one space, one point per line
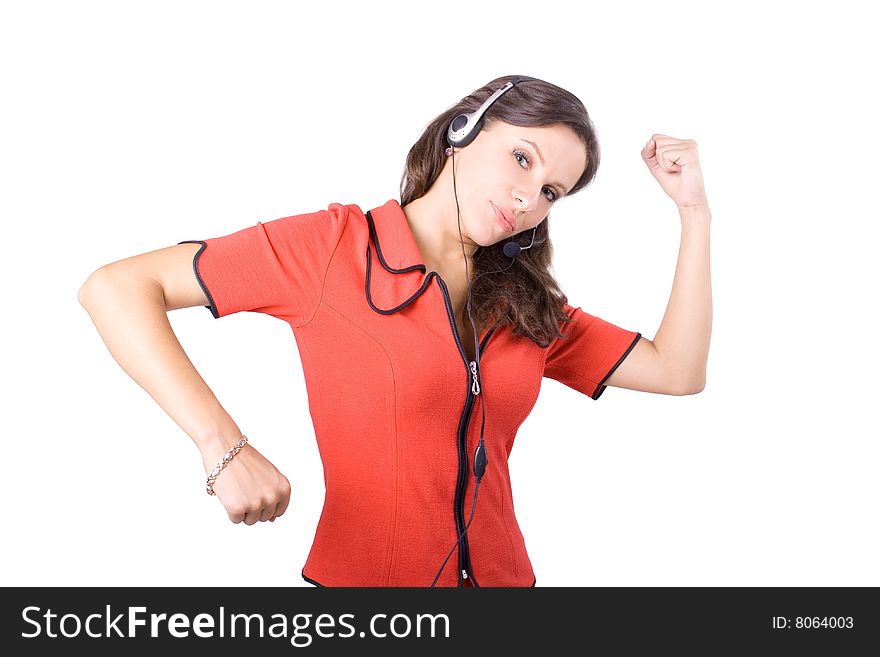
223 462
214 446
695 217
701 210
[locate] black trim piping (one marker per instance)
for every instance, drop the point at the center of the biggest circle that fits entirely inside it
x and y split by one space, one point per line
213 306
370 222
311 581
601 387
405 270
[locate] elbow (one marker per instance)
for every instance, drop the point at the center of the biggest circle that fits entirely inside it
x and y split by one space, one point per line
86 290
82 295
694 386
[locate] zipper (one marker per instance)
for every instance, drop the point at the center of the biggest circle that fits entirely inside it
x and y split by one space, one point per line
464 563
475 386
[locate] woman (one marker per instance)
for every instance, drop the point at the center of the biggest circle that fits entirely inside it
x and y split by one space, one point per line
408 318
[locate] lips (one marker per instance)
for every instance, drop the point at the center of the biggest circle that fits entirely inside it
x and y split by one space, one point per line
505 215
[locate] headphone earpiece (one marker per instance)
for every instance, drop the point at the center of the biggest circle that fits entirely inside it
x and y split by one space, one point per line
464 128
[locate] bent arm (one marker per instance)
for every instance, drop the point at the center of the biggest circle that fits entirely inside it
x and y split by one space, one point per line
129 310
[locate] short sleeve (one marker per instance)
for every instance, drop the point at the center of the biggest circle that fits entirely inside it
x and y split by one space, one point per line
589 355
277 267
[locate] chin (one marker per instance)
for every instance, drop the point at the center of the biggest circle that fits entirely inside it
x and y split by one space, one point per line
501 240
491 234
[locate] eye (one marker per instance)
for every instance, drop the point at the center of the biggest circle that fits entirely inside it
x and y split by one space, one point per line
517 154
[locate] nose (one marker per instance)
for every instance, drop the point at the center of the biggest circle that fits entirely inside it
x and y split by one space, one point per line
524 201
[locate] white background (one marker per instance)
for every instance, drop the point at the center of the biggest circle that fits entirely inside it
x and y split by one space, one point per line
128 127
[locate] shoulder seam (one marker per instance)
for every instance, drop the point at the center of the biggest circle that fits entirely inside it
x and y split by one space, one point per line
344 221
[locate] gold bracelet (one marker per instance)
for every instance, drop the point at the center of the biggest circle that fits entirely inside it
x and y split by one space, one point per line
227 457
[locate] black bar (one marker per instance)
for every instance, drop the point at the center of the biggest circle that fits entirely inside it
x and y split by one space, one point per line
702 621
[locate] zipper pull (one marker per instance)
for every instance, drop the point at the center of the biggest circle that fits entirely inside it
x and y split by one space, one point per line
475 387
464 573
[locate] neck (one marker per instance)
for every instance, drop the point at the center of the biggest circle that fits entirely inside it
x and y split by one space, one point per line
433 220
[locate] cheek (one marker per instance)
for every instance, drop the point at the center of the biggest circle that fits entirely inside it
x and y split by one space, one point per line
487 178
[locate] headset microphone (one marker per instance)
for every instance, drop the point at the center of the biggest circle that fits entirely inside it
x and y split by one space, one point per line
512 249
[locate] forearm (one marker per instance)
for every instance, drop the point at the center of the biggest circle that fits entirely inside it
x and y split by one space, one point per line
130 315
683 337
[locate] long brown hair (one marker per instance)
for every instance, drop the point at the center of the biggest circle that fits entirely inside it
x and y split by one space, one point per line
527 295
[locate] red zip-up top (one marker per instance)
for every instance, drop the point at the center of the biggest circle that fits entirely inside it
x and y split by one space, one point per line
391 394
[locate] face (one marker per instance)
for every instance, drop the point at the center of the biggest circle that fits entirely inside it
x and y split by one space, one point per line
501 168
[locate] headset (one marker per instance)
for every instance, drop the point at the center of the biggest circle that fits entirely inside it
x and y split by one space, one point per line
463 129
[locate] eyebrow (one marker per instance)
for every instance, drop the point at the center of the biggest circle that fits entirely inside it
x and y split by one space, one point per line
558 185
